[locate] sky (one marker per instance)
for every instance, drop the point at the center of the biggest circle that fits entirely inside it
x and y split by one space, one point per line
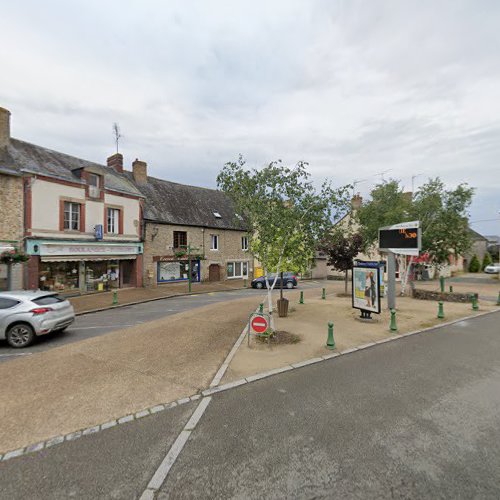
362 90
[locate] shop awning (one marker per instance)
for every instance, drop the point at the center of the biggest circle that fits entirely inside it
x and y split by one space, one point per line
77 258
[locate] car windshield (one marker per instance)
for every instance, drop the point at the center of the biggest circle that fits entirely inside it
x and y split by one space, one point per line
47 300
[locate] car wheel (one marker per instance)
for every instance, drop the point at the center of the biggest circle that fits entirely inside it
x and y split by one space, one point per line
289 284
20 335
259 285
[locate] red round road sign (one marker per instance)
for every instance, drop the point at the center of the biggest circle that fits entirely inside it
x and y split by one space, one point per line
259 324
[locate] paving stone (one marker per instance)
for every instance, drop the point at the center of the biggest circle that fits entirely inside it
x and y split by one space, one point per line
54 441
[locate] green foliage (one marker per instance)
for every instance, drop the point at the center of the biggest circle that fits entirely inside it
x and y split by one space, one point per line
475 265
442 214
341 249
487 260
14 256
285 214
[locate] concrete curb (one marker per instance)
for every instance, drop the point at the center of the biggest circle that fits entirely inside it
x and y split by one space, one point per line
207 393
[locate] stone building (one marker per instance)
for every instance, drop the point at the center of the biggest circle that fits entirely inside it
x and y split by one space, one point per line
82 220
181 219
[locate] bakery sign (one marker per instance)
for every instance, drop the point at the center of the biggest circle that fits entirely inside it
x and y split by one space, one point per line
88 249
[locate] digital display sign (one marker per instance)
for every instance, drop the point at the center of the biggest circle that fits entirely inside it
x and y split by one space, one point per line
401 238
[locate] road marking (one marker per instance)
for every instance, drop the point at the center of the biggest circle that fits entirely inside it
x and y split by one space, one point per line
16 354
164 468
97 327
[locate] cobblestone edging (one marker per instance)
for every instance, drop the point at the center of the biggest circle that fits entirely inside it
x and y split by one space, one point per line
219 388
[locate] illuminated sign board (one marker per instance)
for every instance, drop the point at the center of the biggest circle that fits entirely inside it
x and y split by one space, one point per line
404 238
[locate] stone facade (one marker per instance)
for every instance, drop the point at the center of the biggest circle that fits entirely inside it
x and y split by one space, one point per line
11 224
159 246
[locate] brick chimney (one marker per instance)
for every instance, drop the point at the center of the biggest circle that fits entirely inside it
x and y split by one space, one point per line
116 161
140 170
4 127
357 201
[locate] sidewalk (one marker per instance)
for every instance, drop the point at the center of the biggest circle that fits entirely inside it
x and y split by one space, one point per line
104 300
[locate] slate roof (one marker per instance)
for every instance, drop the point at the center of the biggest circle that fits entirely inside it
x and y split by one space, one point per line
23 156
172 203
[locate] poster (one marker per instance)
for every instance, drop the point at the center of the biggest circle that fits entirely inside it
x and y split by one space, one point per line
366 288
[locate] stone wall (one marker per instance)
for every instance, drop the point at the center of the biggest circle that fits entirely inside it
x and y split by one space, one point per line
159 241
444 296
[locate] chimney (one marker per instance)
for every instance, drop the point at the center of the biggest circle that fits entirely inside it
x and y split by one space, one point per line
357 201
140 170
4 127
408 196
116 161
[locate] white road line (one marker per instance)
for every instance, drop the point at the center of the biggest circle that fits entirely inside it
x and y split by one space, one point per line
97 327
162 472
16 354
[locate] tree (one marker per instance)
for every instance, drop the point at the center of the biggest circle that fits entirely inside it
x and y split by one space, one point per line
487 260
474 265
286 216
342 248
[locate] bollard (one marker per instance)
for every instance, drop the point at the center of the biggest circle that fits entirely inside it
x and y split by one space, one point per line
115 297
440 310
330 342
323 295
301 301
393 327
441 283
498 300
451 289
261 308
475 305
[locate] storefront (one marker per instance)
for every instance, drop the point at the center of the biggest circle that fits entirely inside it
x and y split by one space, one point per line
68 267
171 269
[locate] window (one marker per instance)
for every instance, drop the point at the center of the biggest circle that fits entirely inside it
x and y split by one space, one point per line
244 242
180 239
6 303
94 191
47 300
113 220
71 216
237 269
215 242
94 180
217 215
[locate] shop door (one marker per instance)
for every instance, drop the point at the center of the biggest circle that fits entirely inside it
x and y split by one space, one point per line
214 272
126 274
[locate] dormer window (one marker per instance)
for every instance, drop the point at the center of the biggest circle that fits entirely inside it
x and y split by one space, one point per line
217 215
94 185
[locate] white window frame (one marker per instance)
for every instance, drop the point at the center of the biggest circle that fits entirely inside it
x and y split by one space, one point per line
72 210
243 264
113 220
244 243
214 242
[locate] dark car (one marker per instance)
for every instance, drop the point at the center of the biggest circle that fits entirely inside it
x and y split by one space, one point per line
289 281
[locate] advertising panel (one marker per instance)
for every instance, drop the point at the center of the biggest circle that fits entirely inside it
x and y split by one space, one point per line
366 288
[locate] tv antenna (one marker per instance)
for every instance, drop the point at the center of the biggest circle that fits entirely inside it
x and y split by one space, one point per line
413 177
117 134
382 174
355 182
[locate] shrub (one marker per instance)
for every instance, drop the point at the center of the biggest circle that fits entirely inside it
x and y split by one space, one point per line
475 265
487 260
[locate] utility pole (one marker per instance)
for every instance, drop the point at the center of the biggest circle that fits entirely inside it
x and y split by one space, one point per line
413 177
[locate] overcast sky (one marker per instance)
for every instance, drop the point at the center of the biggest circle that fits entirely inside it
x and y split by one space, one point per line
354 88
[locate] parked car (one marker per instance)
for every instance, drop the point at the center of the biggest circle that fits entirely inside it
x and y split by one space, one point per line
492 268
289 281
26 314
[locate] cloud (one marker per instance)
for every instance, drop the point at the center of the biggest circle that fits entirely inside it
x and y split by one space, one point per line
355 88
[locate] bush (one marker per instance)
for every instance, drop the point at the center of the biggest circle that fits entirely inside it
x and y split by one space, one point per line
487 260
475 265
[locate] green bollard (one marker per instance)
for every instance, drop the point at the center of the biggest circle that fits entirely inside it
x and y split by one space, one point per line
440 310
451 289
301 301
498 300
261 308
323 295
393 327
330 343
441 283
115 297
475 305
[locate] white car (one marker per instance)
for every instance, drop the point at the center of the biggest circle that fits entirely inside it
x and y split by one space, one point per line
492 268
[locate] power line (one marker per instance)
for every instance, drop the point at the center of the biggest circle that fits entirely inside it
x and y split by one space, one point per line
483 220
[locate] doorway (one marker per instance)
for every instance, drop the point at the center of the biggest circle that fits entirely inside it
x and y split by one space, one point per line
214 272
126 274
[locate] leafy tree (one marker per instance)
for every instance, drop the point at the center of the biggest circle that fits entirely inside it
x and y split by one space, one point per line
341 248
487 260
475 265
285 214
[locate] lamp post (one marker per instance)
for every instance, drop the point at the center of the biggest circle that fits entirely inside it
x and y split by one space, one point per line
189 249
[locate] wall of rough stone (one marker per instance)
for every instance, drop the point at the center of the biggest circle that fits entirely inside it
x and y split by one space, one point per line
444 296
159 241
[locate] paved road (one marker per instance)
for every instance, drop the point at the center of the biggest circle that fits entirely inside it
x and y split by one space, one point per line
99 323
415 418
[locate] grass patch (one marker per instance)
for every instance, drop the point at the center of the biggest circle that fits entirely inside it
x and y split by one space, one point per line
281 337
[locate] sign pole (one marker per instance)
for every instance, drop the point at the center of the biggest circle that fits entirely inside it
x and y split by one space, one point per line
391 280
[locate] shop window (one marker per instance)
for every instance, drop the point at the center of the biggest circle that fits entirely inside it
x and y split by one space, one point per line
214 242
59 276
237 269
180 239
178 271
113 220
72 216
244 243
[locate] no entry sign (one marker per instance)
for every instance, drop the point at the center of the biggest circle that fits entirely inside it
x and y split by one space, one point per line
259 324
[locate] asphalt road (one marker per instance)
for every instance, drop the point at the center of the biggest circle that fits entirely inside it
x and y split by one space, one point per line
414 418
99 323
